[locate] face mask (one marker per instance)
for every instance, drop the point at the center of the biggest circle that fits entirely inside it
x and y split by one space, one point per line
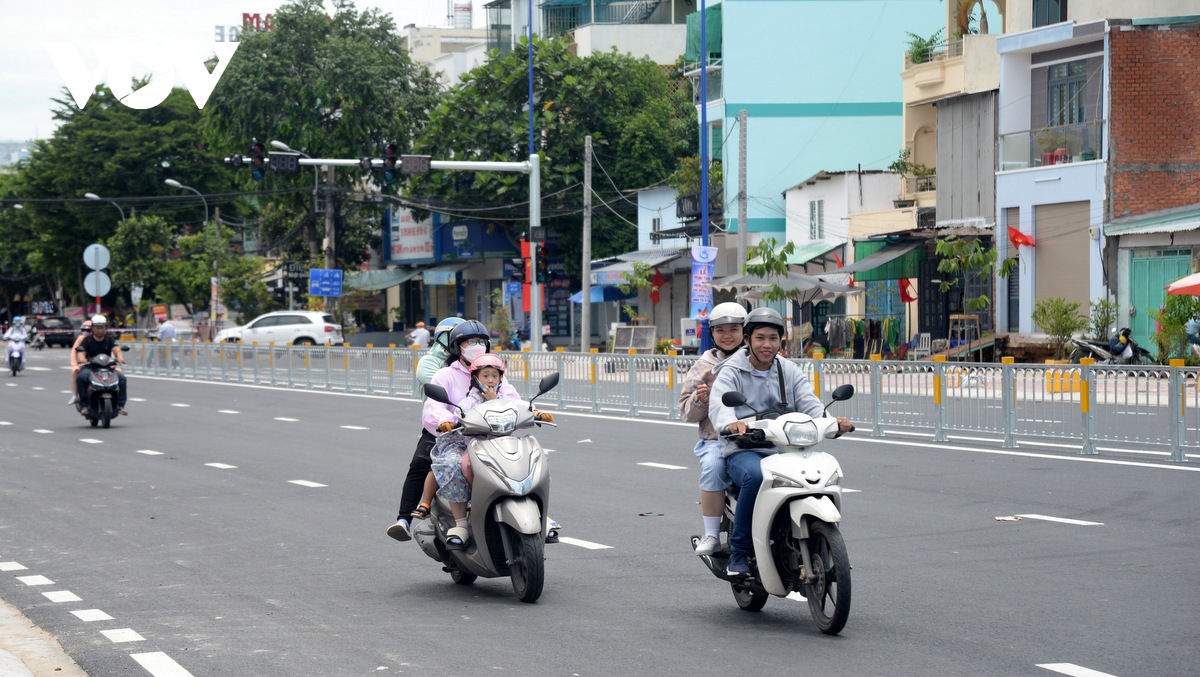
471 352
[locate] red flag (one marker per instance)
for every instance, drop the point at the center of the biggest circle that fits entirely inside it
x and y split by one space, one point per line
657 282
908 293
838 258
1017 238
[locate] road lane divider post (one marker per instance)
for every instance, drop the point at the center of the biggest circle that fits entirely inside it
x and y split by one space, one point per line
1008 395
1176 387
876 367
1087 390
817 357
939 398
593 359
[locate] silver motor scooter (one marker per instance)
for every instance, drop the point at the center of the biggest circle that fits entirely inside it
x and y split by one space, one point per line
509 498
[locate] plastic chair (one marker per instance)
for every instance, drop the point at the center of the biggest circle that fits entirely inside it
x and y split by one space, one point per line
921 348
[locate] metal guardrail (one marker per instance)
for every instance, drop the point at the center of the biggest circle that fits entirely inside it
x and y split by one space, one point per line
1156 407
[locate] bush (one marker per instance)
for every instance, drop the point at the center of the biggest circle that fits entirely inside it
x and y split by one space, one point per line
1104 317
1171 338
1060 320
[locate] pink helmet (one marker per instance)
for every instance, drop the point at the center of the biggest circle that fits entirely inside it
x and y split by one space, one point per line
487 360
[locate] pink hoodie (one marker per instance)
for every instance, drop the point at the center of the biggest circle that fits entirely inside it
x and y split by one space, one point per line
457 382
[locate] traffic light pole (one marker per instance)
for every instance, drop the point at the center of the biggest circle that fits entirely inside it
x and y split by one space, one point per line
330 232
535 221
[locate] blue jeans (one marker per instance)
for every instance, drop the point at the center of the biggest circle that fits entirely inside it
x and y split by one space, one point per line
745 471
713 476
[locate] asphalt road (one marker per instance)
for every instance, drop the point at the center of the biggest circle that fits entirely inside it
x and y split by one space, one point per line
239 571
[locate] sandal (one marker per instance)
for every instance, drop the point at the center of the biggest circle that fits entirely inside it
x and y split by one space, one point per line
457 538
421 512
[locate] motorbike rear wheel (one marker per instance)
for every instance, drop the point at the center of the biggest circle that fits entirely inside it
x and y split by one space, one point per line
829 596
747 599
106 413
462 577
528 571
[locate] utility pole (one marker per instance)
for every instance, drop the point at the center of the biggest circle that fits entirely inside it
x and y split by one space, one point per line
742 225
330 257
585 325
535 221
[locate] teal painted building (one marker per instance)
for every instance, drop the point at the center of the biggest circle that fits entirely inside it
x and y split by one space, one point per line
820 82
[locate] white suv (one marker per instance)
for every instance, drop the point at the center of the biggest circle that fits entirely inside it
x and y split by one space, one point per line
298 327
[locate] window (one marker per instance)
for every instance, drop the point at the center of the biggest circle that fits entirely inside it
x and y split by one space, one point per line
1048 12
816 219
716 143
265 322
1068 84
656 224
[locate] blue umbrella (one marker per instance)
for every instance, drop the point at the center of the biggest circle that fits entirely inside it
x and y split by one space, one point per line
602 293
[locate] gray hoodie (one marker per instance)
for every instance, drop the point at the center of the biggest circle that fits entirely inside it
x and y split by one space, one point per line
737 374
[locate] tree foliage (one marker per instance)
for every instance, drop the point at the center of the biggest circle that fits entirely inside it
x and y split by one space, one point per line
640 122
962 256
1060 320
770 261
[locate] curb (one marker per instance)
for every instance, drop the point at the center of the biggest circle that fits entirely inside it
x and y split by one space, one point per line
11 666
28 651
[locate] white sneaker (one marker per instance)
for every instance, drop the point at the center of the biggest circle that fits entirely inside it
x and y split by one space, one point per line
74 399
708 545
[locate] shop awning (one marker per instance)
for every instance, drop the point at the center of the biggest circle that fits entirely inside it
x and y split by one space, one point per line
882 256
1168 222
904 265
611 273
444 274
374 280
816 252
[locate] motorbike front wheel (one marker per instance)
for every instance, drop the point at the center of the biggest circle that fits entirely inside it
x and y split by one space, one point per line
13 364
528 571
106 413
462 577
829 593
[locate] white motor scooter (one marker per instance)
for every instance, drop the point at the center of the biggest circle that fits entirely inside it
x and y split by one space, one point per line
797 544
15 355
509 498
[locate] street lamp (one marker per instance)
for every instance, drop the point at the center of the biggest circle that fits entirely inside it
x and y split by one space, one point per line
93 196
279 145
175 184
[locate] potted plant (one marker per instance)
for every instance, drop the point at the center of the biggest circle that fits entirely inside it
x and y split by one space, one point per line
905 167
920 50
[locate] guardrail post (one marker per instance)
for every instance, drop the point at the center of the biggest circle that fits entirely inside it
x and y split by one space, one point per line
1087 393
593 364
673 406
271 361
877 395
328 359
241 371
391 370
817 373
209 356
633 386
1008 395
1176 401
939 398
560 360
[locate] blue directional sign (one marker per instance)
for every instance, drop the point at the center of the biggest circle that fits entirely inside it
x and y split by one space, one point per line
324 282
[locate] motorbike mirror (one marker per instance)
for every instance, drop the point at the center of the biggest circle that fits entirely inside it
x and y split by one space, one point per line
733 399
544 386
437 393
843 392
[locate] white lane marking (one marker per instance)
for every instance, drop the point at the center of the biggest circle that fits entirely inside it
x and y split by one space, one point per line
90 615
583 544
35 580
228 411
43 431
355 427
13 385
37 388
88 440
664 466
288 420
851 491
5 422
149 452
306 483
1062 520
67 392
60 596
137 399
1028 454
1038 443
1073 670
220 466
38 368
12 566
160 664
122 635
180 404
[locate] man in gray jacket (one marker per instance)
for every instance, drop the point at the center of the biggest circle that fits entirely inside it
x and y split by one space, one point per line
769 384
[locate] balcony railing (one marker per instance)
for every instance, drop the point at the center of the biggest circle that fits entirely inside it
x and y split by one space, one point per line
561 19
934 53
920 184
1052 146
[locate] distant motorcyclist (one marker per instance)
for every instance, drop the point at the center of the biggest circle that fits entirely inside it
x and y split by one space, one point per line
14 336
99 343
1122 347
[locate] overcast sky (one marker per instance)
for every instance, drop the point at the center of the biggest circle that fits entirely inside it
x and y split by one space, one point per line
28 78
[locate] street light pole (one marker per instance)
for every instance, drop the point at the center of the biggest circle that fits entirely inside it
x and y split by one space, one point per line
175 184
93 196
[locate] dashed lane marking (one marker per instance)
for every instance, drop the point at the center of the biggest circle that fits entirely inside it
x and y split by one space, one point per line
12 566
5 422
180 404
228 411
38 368
583 544
355 427
11 385
149 452
91 615
38 388
160 664
220 466
66 392
61 596
88 440
43 431
137 399
1062 520
35 580
123 635
306 483
1073 670
664 466
286 419
851 491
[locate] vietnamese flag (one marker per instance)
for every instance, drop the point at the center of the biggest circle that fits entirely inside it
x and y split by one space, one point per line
1020 239
657 282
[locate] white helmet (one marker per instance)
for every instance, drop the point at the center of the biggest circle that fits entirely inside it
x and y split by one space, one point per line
727 313
99 320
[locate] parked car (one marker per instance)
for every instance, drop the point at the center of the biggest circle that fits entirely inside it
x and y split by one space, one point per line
59 332
297 327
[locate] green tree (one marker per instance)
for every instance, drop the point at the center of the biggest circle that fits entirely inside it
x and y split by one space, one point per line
1171 339
963 256
770 261
141 249
188 278
1104 316
335 86
1060 320
639 118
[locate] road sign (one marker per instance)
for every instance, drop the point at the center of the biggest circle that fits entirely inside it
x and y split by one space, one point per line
96 256
324 282
97 283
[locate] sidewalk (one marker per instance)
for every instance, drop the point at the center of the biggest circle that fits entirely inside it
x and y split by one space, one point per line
28 651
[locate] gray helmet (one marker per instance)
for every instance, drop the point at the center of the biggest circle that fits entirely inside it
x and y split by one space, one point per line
727 313
763 317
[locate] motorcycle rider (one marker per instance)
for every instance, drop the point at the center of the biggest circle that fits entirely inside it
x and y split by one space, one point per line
725 327
99 343
1122 346
419 484
77 360
15 333
769 384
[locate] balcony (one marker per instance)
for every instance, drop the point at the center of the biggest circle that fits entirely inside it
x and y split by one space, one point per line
1052 146
920 184
933 53
688 206
564 16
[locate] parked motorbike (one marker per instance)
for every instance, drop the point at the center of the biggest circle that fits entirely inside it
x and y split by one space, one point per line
509 498
99 404
1098 350
15 355
797 544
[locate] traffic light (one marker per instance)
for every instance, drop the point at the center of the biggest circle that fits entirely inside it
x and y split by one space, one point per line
389 163
518 270
257 162
544 274
235 161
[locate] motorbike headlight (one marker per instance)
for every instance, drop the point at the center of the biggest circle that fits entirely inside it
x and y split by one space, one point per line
835 480
801 434
778 481
501 421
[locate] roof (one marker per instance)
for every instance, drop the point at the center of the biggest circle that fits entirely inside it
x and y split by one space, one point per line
1165 221
826 175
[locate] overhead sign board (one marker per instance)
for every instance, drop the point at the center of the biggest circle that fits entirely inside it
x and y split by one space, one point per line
324 282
